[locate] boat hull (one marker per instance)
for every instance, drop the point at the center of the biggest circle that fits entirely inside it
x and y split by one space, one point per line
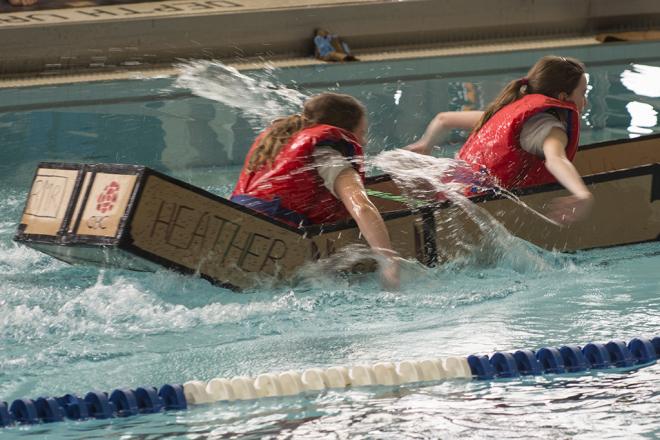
137 218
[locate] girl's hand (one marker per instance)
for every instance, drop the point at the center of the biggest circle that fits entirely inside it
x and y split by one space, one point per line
350 190
390 273
570 209
573 208
419 147
440 126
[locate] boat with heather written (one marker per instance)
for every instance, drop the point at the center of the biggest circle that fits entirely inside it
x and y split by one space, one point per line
138 218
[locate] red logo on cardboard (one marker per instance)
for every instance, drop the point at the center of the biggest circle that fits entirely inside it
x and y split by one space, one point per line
106 200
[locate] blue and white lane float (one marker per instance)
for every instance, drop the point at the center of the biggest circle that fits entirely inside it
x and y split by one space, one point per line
124 402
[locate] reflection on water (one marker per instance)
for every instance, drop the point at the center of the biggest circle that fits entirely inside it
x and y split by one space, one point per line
642 80
174 124
643 118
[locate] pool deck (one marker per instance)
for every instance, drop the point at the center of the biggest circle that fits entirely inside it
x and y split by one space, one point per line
92 38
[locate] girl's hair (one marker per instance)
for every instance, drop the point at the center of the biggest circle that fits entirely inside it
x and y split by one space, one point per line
550 76
342 111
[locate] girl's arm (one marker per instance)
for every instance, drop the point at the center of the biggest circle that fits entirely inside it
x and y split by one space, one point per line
578 205
350 190
440 127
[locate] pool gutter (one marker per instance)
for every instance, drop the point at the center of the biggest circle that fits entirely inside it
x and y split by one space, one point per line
154 35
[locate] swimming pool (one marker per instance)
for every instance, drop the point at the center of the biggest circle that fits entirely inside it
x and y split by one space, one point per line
74 329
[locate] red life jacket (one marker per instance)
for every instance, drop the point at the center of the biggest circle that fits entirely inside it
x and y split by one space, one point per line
290 188
497 144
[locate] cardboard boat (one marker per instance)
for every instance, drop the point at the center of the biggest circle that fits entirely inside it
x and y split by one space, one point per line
135 217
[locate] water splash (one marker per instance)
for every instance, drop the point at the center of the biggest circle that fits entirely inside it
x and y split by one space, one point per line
259 96
349 259
422 177
118 307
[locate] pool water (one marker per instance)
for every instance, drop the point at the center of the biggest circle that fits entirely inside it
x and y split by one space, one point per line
76 328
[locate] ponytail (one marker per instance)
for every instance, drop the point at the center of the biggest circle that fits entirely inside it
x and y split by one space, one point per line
513 91
550 76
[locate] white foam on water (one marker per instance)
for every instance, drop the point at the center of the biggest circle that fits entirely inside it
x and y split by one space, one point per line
117 308
16 258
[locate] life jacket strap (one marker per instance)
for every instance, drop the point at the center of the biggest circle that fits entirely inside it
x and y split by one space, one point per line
272 208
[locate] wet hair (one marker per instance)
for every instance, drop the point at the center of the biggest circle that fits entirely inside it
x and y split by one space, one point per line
550 76
343 111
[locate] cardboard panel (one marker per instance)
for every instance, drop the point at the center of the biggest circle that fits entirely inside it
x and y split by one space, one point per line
623 213
457 235
330 247
48 200
619 155
107 203
608 224
189 228
406 235
385 204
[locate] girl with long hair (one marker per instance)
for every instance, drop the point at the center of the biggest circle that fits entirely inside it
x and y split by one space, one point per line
308 169
529 134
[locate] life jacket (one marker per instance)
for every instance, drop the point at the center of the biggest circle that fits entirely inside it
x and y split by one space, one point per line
290 189
497 143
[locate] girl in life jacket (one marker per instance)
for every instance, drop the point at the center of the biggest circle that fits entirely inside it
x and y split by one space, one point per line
308 169
528 135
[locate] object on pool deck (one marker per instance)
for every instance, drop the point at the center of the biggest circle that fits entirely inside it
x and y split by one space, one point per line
639 352
628 36
329 47
136 218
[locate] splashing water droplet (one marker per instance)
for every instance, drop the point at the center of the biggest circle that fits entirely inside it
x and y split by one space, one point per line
431 179
259 96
